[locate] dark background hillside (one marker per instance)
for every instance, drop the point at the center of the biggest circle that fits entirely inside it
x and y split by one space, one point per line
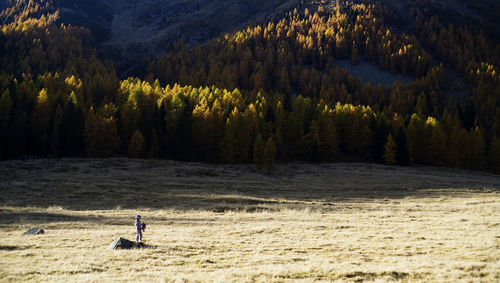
132 32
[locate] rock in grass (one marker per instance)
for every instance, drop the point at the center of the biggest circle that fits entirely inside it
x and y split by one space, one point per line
34 231
124 244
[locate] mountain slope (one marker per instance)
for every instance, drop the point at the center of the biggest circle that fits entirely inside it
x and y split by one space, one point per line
130 30
268 92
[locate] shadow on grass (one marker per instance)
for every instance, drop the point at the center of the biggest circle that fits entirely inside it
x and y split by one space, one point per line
43 217
35 217
104 184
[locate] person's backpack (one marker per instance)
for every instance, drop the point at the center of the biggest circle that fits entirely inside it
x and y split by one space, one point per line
143 227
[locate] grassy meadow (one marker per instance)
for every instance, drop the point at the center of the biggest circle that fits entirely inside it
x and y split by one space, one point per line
329 222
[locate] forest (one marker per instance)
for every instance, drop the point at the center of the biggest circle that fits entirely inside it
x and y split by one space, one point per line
265 94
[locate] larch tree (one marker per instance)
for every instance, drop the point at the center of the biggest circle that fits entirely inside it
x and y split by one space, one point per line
130 115
216 130
354 56
55 136
109 141
154 147
101 135
229 146
5 109
91 133
328 136
40 121
390 150
438 149
457 146
136 145
310 143
73 138
258 152
494 154
476 149
201 128
248 128
402 155
269 163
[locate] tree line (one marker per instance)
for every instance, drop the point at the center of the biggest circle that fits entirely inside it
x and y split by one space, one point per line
265 94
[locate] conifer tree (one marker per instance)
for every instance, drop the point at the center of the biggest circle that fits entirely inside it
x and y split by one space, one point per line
73 138
129 114
354 56
5 108
228 143
379 140
154 147
201 129
494 155
417 144
310 143
476 149
457 146
216 130
280 150
136 145
40 122
55 137
109 140
101 135
258 152
328 135
247 132
269 163
91 133
390 150
402 155
438 150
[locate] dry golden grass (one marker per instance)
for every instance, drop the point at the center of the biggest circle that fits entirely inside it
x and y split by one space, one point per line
339 222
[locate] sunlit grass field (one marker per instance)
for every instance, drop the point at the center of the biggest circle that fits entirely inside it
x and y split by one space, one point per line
331 222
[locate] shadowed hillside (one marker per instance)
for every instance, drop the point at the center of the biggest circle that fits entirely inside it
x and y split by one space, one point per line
132 30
